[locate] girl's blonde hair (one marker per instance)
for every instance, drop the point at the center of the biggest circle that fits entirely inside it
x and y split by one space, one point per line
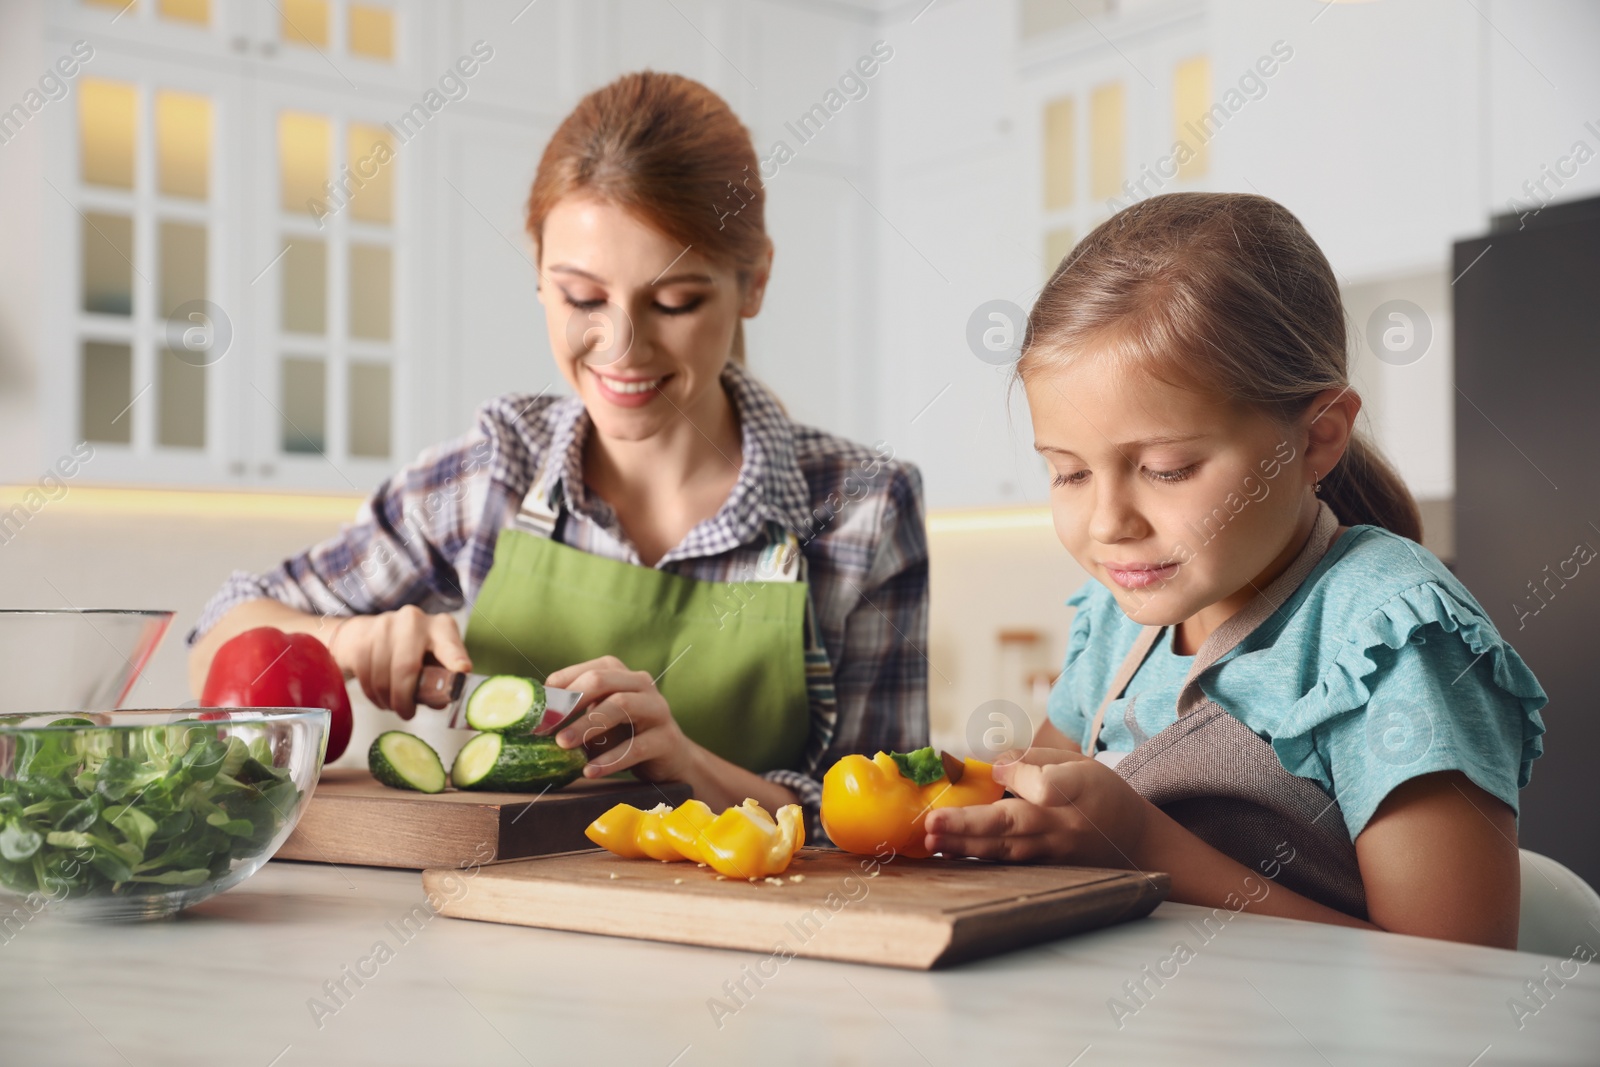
672 152
1228 295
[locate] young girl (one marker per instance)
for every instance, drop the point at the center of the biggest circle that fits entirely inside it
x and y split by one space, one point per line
1271 691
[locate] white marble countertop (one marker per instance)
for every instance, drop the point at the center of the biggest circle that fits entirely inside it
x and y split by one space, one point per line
232 982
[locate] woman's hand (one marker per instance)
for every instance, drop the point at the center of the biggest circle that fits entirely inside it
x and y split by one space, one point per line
627 724
1067 808
384 653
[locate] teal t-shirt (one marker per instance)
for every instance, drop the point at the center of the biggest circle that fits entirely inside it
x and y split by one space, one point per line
1379 668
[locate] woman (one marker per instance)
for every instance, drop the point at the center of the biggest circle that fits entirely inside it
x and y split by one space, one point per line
742 597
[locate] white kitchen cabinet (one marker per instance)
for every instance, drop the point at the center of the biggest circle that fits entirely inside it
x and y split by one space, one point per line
1392 130
228 299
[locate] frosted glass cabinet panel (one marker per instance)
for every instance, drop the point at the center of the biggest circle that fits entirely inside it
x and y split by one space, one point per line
304 23
107 263
369 409
1107 137
369 155
108 128
183 144
304 396
181 400
107 392
304 285
183 265
195 11
142 196
371 32
1060 153
305 160
371 285
1191 98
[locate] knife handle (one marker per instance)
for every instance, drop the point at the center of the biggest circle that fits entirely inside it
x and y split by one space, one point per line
439 687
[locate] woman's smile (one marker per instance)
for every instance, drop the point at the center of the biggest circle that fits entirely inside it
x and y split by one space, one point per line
627 391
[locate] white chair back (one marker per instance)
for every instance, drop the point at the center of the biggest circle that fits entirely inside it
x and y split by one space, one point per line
1560 911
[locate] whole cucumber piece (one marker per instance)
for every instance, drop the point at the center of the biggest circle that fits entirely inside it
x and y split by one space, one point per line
506 763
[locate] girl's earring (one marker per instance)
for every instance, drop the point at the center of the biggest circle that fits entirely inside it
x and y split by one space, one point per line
1316 477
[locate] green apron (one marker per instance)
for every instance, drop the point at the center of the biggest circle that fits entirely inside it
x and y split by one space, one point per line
738 662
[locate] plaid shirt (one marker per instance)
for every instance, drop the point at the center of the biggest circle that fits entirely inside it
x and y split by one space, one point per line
427 537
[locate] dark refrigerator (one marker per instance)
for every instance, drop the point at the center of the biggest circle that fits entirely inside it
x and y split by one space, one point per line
1527 500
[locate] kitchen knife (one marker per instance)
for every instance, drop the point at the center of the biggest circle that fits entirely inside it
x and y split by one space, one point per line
439 687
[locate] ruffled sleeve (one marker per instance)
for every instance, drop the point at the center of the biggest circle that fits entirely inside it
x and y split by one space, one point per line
1065 707
1423 683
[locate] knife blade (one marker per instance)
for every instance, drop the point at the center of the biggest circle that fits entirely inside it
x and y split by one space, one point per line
440 687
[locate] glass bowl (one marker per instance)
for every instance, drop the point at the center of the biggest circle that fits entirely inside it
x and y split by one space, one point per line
75 660
138 814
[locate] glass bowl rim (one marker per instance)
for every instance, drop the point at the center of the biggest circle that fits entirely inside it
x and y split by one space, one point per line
68 612
142 718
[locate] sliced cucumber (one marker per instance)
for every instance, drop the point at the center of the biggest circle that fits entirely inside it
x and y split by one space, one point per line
506 704
402 761
510 764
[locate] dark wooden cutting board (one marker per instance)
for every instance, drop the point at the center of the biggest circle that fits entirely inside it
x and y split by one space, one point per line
912 913
353 819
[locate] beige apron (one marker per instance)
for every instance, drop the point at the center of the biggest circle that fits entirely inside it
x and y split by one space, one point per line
1215 777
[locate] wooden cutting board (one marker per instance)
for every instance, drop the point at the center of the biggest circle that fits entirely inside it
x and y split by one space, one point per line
829 905
353 819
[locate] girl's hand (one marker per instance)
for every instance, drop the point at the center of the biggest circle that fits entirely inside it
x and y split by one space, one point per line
1068 808
627 724
384 653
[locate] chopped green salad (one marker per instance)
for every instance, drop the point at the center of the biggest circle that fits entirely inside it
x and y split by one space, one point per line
135 809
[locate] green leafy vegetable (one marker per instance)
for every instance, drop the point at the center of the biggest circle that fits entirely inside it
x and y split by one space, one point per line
922 766
18 842
134 810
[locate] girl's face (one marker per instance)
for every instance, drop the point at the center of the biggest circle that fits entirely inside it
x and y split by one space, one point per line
640 327
1175 503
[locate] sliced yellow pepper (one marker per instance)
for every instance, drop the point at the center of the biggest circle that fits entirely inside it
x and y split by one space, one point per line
632 833
746 842
684 825
870 803
742 842
652 835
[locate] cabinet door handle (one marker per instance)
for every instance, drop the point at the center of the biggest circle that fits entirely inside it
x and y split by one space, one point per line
241 43
265 470
269 48
237 468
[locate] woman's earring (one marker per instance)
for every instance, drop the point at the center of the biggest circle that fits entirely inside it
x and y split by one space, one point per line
1315 477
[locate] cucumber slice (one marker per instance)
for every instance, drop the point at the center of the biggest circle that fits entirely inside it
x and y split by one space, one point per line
506 704
509 764
402 761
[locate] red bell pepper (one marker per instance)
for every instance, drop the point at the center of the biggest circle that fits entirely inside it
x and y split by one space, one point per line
267 668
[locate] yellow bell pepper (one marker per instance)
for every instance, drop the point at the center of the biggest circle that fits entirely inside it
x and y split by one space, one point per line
885 800
742 842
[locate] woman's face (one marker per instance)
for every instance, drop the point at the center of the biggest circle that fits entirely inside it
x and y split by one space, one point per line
641 327
1146 475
